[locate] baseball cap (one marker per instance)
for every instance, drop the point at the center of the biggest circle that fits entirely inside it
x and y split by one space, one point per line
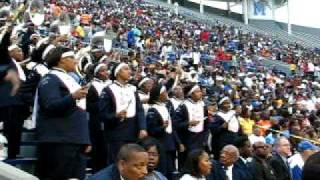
307 145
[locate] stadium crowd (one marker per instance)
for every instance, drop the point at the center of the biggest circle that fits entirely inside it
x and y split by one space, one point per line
147 94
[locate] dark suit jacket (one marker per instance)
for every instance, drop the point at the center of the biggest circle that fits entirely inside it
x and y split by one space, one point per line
261 172
243 170
218 172
109 173
281 170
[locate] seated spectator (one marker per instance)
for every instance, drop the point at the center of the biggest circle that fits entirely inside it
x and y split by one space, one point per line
279 161
153 149
197 165
224 168
259 167
245 150
131 163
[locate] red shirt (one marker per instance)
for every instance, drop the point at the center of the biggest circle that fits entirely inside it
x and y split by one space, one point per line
204 36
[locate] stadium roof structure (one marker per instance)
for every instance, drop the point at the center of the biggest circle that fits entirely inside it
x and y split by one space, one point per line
277 3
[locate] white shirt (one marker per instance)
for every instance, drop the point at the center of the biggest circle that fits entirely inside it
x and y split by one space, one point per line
175 102
248 82
229 172
195 113
243 160
231 119
189 177
310 67
124 98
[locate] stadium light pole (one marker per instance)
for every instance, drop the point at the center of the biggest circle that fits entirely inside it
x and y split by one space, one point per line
289 18
201 6
245 11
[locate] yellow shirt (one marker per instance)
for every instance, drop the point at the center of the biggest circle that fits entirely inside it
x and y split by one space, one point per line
247 125
80 32
293 67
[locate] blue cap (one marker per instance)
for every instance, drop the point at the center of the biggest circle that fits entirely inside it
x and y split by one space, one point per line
307 145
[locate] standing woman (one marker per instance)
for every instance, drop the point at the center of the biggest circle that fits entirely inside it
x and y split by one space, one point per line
160 126
100 81
145 86
190 121
62 122
121 111
225 128
177 97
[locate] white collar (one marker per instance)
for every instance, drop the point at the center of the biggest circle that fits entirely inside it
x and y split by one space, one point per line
229 167
243 160
121 177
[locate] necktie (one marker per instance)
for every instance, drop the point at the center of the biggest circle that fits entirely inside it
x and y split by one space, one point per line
288 168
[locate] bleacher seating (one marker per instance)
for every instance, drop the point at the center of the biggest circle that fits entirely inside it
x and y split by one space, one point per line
27 157
210 18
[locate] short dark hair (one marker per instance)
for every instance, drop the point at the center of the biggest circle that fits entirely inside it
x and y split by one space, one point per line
240 141
191 165
54 56
311 169
149 142
155 94
126 151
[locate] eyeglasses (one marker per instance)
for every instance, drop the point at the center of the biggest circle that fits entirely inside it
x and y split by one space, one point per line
264 147
153 154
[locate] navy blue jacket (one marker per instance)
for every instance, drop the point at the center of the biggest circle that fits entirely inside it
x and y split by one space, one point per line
6 63
60 120
281 170
243 170
109 173
3 71
155 129
93 108
115 129
218 172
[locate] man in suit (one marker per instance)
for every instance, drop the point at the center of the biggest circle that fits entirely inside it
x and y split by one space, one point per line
225 169
259 167
131 164
279 161
245 150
